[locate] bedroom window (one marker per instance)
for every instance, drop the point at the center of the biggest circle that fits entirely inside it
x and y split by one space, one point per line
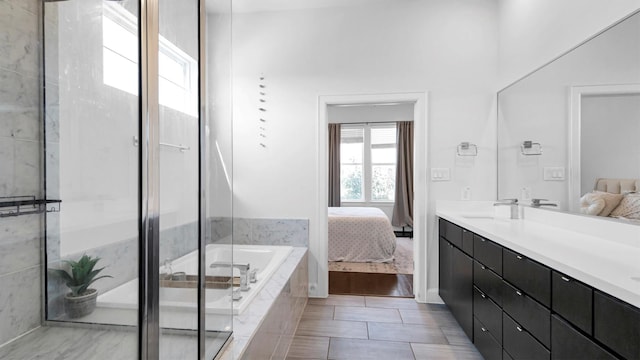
368 162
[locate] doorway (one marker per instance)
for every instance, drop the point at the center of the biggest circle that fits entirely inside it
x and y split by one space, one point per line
404 278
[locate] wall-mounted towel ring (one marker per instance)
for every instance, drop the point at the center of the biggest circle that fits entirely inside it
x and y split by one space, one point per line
529 148
467 149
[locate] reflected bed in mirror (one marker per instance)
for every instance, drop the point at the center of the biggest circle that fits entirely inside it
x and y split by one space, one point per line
583 109
613 198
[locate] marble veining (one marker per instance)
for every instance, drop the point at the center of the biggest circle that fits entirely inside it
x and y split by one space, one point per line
19 303
266 328
19 242
19 39
291 232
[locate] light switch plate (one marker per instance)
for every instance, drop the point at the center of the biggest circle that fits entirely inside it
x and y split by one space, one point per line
553 174
440 174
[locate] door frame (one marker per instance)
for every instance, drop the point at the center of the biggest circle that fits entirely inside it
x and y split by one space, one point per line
319 274
576 93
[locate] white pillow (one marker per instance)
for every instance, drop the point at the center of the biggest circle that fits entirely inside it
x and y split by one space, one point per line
629 207
591 204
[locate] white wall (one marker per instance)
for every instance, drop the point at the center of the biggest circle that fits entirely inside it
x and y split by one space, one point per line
370 113
445 47
534 32
610 129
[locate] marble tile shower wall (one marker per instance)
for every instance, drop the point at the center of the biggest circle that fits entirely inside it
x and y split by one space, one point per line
20 167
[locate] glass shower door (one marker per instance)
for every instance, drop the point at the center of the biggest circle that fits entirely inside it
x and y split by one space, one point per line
91 116
178 94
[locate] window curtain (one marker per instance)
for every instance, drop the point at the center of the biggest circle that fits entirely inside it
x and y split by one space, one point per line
334 165
403 206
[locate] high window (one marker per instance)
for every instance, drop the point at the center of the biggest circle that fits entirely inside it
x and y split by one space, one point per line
368 162
178 71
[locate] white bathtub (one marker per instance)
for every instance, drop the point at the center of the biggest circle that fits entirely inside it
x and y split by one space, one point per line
176 302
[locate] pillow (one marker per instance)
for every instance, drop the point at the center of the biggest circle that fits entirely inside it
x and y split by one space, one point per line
591 204
629 207
611 201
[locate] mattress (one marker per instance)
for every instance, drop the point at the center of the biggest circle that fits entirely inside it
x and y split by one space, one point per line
360 234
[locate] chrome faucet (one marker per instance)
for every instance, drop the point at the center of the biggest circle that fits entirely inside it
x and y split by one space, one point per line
539 203
513 203
244 272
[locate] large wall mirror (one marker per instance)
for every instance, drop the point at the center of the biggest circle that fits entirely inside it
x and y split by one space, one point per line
573 127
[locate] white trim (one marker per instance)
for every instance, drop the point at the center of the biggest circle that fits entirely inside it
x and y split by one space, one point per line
575 104
318 268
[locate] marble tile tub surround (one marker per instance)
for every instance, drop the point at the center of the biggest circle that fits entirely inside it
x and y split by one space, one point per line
603 261
265 330
254 231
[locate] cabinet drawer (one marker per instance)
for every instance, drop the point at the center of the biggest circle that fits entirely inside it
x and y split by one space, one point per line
488 313
573 301
519 343
488 253
467 242
568 343
527 275
488 282
485 342
452 232
617 325
528 313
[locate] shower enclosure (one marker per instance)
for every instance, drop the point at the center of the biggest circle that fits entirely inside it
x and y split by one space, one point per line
138 149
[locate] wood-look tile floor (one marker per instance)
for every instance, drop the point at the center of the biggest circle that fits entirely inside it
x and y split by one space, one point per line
368 327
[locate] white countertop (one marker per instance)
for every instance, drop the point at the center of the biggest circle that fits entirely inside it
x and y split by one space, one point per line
606 262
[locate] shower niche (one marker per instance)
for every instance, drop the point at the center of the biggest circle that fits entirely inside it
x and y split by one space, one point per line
139 160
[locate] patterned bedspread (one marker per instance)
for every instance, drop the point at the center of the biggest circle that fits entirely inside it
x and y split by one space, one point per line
360 234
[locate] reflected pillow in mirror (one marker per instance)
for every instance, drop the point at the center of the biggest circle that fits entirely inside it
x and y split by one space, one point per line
611 201
591 204
629 207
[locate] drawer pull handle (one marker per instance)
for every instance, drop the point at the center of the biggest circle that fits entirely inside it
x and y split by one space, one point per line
566 279
483 329
519 328
483 296
520 257
518 292
482 267
483 240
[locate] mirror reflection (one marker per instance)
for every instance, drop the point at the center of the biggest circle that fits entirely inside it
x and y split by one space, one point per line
568 133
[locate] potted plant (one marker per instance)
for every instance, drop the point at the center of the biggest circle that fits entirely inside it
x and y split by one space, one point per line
81 300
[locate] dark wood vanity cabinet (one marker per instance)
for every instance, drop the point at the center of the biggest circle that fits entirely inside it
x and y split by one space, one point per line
518 308
617 325
456 280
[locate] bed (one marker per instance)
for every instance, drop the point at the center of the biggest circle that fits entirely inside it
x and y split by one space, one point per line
616 198
360 234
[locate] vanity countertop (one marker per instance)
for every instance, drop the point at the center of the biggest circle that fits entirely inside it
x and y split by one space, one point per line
606 263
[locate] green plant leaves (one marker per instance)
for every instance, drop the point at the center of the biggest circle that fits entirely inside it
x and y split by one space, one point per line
82 274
